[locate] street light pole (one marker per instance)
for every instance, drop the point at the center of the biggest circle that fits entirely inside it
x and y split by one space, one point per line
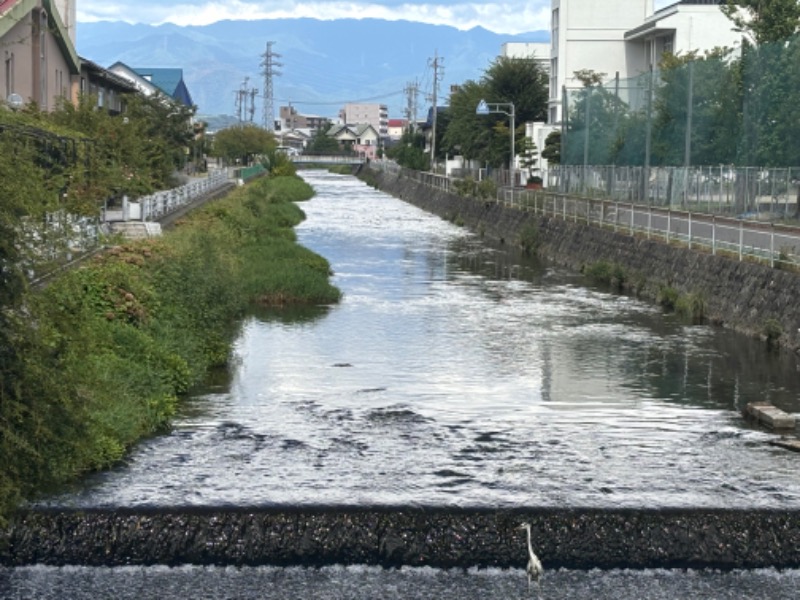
505 108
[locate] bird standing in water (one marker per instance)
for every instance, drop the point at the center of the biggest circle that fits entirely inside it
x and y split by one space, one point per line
534 568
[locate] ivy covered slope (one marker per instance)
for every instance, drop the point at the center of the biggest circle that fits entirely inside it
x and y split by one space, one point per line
100 357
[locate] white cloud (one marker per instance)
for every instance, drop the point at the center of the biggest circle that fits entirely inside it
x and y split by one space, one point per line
510 16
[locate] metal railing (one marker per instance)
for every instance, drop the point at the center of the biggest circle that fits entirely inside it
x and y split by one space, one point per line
157 205
744 239
775 244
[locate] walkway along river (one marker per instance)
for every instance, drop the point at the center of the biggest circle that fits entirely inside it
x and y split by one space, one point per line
456 391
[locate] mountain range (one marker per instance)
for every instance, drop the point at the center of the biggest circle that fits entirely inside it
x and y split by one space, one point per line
322 64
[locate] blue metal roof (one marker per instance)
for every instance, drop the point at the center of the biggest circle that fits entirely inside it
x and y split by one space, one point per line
169 81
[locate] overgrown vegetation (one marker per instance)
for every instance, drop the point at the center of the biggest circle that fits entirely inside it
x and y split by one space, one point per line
691 306
605 273
100 357
529 238
772 332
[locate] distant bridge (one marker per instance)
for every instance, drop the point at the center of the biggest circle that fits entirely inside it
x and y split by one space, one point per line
314 159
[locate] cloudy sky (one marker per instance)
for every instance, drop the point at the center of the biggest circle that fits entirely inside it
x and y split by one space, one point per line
506 16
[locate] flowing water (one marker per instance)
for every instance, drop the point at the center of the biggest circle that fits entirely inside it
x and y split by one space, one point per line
454 373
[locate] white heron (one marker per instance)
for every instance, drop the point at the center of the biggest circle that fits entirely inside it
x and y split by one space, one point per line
534 568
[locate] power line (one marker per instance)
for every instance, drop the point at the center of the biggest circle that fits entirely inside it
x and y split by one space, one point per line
349 101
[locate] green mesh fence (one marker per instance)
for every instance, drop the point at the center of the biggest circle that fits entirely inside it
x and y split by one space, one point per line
723 109
718 133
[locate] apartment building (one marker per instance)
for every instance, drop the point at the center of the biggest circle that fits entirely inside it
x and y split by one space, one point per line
291 120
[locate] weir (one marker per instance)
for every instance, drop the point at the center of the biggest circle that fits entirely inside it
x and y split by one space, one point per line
405 536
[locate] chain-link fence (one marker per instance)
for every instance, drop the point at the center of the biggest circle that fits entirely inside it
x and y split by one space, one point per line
721 130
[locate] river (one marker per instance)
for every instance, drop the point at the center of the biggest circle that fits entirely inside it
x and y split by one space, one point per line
455 373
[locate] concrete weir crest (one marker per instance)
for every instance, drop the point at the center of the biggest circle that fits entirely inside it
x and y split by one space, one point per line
575 538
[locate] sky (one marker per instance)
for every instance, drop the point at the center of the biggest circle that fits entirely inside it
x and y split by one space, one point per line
506 16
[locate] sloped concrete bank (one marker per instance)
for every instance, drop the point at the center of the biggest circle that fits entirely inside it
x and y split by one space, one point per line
396 536
743 296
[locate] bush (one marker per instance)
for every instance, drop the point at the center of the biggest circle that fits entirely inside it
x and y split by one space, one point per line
109 348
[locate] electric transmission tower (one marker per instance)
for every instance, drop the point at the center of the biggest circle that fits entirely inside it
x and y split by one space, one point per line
270 65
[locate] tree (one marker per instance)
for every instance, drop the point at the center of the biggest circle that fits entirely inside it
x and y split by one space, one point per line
595 116
322 143
485 138
552 148
467 134
711 83
764 20
410 152
243 143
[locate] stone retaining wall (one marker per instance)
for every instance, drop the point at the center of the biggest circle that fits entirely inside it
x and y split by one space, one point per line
397 536
741 295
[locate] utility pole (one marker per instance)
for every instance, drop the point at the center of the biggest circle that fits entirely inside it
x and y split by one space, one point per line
270 65
253 92
438 73
412 89
241 100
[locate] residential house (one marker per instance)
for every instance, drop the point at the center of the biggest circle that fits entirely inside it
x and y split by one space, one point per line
362 139
149 81
376 115
396 128
109 89
626 38
40 64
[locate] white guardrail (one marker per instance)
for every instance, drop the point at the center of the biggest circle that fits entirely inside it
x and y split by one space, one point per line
163 203
777 245
159 204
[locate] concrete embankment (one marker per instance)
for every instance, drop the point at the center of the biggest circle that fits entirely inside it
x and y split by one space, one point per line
743 296
396 536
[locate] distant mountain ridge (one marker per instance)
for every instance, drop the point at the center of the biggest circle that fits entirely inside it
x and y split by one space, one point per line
324 63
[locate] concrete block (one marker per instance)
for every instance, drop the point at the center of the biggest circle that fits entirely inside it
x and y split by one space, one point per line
772 417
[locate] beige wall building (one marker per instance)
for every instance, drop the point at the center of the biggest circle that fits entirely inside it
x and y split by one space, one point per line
39 60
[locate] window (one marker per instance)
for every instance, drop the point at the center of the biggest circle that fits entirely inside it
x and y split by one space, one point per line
554 29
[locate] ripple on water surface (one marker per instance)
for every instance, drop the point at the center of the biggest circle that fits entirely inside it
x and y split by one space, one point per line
456 373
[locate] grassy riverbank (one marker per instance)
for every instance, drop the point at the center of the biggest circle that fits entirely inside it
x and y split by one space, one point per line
103 354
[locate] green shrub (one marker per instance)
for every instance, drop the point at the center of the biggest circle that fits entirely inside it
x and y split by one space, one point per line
668 297
691 306
109 348
772 331
529 238
487 189
606 273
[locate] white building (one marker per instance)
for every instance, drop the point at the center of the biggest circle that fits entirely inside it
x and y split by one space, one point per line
626 37
537 50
